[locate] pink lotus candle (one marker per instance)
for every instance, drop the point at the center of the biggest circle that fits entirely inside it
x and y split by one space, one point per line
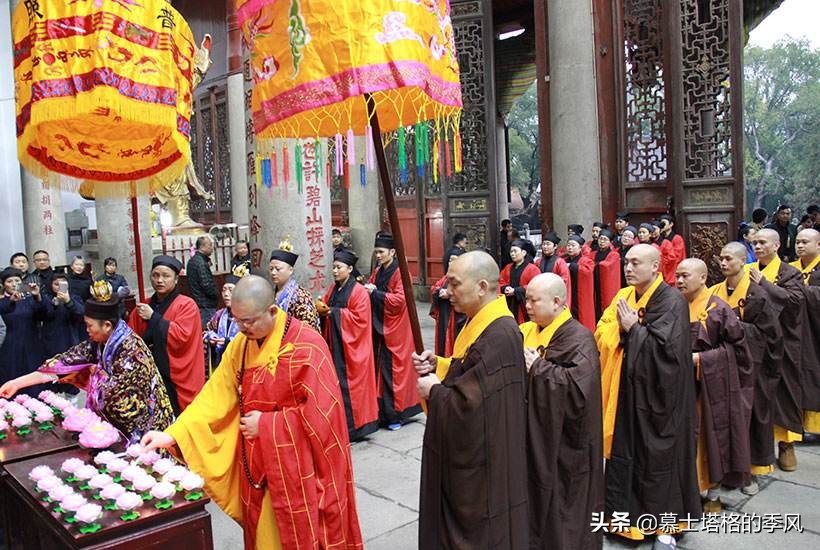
21 421
162 465
111 492
39 472
148 458
44 416
144 483
191 482
134 450
22 398
3 425
100 481
79 419
163 490
85 472
48 483
88 513
128 501
132 472
175 474
73 502
62 405
70 466
59 492
47 396
117 465
103 458
99 435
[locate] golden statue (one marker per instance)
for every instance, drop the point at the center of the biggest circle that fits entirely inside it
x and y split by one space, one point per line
175 196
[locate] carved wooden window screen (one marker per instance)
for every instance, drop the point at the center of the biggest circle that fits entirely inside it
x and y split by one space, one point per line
210 153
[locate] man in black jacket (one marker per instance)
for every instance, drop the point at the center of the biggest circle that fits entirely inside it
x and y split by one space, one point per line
782 223
201 280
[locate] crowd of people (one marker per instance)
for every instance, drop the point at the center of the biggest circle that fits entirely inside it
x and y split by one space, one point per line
599 379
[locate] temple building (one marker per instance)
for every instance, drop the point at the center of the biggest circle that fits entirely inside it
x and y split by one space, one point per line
640 109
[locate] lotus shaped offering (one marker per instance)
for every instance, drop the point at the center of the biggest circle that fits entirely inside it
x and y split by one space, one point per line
117 465
175 474
44 416
132 472
79 419
148 458
48 483
112 492
22 398
88 514
144 483
59 492
4 426
62 405
191 482
99 435
39 472
21 421
163 490
103 458
162 465
134 450
100 481
85 472
47 396
128 501
70 466
73 502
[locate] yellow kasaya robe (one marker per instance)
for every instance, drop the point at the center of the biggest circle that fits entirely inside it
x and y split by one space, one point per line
301 454
535 337
770 273
811 419
471 331
608 338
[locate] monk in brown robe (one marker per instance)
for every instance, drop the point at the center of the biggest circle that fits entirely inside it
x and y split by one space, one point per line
564 437
764 337
474 463
783 285
725 385
807 246
648 399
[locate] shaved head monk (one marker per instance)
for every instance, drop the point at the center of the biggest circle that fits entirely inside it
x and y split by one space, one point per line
648 398
474 466
272 411
807 246
783 284
724 375
564 439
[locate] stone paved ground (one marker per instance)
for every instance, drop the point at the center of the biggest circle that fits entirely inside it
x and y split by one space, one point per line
387 468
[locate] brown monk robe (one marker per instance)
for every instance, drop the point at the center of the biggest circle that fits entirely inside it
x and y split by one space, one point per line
807 246
764 338
564 437
784 288
648 398
474 463
725 385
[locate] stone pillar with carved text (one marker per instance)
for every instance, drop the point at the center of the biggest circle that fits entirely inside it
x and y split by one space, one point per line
116 237
43 218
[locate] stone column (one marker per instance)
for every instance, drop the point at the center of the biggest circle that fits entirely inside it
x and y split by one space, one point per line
43 217
115 237
236 146
501 168
363 213
11 199
576 177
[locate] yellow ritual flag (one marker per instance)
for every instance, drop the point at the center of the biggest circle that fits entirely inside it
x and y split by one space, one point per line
103 91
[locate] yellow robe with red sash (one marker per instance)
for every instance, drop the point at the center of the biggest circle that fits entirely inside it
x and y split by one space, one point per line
811 419
302 454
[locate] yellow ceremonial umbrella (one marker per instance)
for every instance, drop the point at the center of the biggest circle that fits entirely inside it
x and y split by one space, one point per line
334 68
103 91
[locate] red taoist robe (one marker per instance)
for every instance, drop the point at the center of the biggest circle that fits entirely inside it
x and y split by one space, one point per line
348 331
556 264
582 275
174 335
391 325
607 280
673 252
448 321
518 278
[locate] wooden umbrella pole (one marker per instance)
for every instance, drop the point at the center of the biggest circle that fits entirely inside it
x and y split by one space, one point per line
393 215
137 242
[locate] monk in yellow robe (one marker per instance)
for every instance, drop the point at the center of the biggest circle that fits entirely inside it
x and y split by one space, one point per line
564 440
268 432
783 285
648 394
807 246
474 462
724 374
